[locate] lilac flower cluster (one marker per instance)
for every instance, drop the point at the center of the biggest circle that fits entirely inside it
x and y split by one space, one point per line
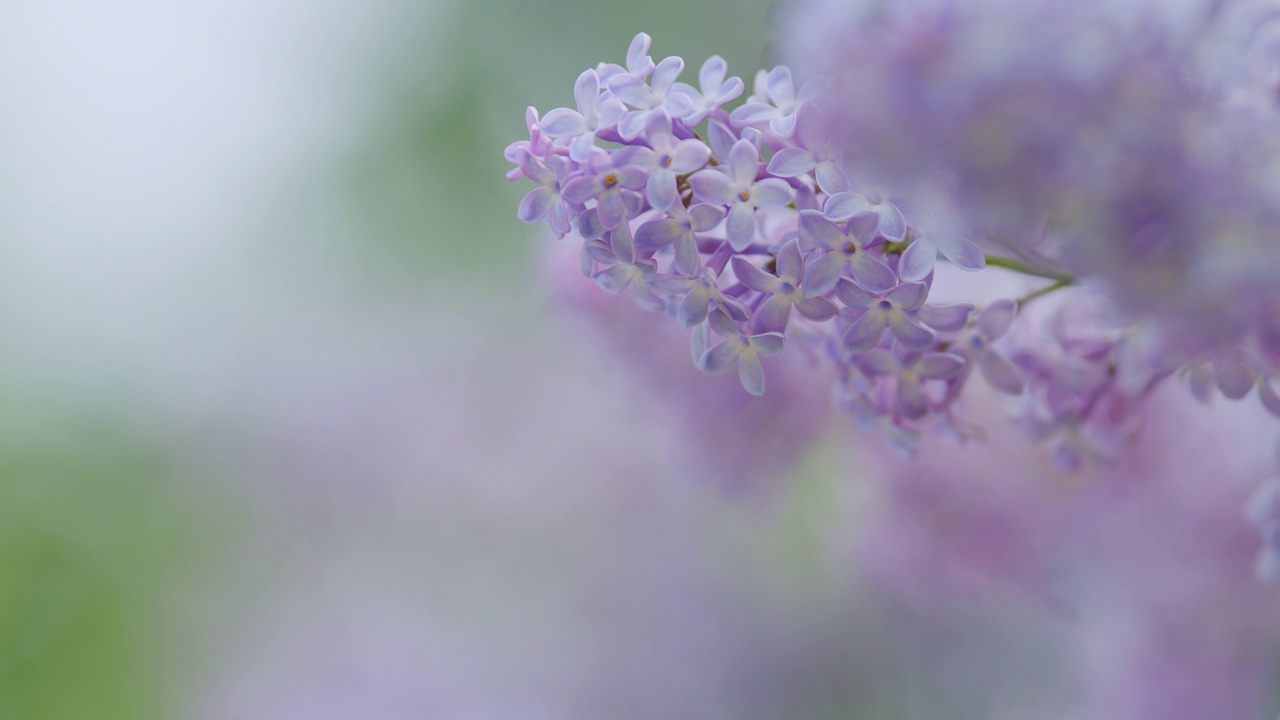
762 226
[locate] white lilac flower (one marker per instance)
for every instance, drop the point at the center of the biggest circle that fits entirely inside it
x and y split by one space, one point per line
740 190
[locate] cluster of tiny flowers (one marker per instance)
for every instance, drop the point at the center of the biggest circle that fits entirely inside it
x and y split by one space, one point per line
755 227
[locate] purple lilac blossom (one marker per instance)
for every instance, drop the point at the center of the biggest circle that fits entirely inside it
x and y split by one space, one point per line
1163 222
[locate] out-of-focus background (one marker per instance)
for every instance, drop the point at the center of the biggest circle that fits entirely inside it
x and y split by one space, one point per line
294 425
291 426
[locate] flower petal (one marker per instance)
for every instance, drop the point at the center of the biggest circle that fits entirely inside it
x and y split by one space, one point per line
911 335
962 253
768 344
687 258
744 160
586 92
563 122
771 193
853 296
613 212
713 186
693 309
995 319
816 308
781 89
623 245
917 260
821 274
772 315
724 325
661 190
845 205
657 234
705 216
820 231
690 155
721 357
536 204
909 296
1002 375
614 279
751 373
790 162
865 332
742 226
753 277
871 273
947 318
790 263
941 366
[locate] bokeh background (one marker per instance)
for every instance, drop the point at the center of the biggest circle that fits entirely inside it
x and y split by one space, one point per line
293 426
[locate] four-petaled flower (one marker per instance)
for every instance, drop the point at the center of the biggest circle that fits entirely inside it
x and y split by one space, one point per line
715 92
578 128
648 98
664 159
740 348
629 270
739 189
785 290
680 229
846 250
890 222
776 102
993 323
544 202
871 313
814 152
604 183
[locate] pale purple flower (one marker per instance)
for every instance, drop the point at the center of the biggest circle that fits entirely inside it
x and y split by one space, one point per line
871 314
815 151
538 144
890 222
664 159
605 183
649 98
847 249
629 269
680 228
544 202
701 295
742 349
639 63
715 90
578 129
911 369
919 257
739 189
776 102
785 290
993 322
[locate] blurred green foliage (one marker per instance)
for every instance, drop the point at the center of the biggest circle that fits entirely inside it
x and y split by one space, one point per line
88 537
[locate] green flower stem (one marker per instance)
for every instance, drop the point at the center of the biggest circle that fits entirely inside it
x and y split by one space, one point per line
1044 291
1025 269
